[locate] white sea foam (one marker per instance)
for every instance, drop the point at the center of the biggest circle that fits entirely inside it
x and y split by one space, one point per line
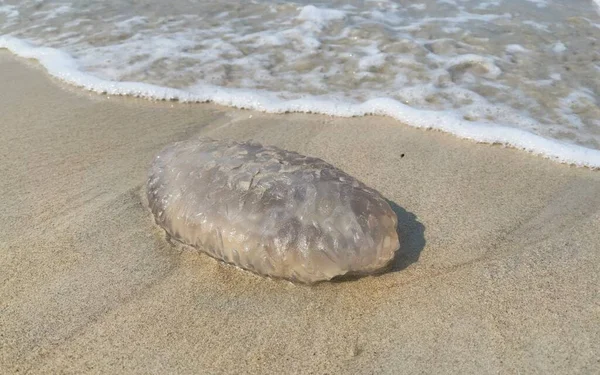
64 67
559 47
539 3
515 48
318 17
496 71
10 11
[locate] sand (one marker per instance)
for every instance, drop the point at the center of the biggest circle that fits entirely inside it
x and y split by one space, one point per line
499 270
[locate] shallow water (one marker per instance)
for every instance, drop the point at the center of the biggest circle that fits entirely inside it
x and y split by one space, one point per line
474 68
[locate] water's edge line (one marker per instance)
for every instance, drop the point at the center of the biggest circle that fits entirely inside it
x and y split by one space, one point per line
64 67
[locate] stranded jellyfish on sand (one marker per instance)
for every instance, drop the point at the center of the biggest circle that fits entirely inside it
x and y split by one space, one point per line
271 211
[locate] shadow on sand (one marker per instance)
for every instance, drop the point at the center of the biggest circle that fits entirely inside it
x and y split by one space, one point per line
411 233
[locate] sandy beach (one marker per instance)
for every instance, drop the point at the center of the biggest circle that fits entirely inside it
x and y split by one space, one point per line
498 270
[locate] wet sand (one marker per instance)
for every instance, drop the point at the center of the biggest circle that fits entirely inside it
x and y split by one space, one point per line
498 271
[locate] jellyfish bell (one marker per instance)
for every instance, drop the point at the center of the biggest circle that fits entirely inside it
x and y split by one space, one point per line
274 212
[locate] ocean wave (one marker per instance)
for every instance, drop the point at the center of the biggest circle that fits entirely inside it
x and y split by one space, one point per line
523 74
64 67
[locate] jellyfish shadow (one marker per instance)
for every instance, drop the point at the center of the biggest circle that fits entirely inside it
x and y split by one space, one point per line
411 233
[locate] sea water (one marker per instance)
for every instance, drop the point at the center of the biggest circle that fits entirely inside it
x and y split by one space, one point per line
524 73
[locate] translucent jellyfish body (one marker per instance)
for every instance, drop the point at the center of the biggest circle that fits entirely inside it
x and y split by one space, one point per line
271 211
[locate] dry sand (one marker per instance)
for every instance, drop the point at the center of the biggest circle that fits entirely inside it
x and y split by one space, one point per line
499 271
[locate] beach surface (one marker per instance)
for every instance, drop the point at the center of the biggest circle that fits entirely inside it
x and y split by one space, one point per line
498 270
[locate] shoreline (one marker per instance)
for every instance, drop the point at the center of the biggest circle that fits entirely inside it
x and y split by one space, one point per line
63 67
499 268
